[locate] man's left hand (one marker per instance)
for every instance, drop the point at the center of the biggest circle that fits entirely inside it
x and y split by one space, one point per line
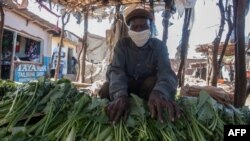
157 103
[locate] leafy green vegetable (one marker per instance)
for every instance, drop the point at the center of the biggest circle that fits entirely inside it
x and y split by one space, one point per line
47 110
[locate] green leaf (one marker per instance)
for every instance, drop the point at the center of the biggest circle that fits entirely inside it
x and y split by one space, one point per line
137 106
131 122
202 99
94 104
3 132
228 116
189 104
160 125
137 100
206 113
18 134
102 118
137 111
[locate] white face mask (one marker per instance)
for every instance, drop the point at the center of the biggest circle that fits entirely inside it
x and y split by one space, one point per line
139 38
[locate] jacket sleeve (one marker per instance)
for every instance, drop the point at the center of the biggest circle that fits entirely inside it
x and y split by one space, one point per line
117 77
166 78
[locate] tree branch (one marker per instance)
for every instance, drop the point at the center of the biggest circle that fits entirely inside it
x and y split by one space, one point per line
184 46
230 30
216 44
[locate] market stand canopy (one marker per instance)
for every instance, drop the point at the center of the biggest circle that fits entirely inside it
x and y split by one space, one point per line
77 5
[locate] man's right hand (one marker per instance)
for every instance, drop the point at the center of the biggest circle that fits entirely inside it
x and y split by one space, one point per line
118 108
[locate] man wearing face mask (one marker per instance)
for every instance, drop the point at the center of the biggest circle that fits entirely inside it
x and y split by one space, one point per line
140 66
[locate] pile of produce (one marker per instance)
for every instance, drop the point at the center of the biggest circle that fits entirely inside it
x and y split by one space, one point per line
6 87
57 111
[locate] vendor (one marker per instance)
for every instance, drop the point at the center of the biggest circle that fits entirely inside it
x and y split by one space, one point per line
140 66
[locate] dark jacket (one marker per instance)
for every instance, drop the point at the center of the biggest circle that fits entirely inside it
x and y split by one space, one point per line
130 61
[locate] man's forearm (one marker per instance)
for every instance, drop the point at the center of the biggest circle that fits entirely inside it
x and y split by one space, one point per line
118 83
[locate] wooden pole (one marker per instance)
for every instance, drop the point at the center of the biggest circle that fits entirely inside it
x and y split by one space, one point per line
91 72
230 30
240 67
216 43
58 64
1 36
12 67
84 46
248 46
184 46
165 18
208 67
165 22
117 18
209 70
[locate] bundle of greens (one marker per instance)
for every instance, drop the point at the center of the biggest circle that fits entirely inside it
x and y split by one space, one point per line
56 111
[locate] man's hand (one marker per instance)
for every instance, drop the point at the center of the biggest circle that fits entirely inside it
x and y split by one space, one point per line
157 102
118 108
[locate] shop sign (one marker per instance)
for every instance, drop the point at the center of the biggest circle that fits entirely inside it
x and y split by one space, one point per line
29 72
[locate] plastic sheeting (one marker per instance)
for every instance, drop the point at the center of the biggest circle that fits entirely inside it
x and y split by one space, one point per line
182 4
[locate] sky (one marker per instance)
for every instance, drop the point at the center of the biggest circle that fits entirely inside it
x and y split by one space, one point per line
205 27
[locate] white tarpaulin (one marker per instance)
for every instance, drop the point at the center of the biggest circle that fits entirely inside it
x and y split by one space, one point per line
182 4
97 58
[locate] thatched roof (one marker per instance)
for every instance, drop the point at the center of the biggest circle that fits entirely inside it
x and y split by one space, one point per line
207 48
99 7
78 5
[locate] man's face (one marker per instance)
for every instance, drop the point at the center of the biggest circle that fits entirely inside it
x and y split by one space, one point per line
139 24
